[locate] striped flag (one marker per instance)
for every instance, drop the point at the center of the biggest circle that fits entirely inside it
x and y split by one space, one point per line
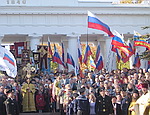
97 53
99 64
8 62
95 23
79 51
87 54
70 60
137 61
56 57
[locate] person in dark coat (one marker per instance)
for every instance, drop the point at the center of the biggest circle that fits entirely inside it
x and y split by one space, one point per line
125 102
82 104
11 104
116 107
2 99
103 105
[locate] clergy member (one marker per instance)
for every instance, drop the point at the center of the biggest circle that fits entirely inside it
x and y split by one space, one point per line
141 104
28 91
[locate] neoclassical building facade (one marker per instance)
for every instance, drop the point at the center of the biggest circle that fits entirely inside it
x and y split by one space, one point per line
66 20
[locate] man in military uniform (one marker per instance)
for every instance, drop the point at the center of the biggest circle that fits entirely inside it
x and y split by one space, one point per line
81 104
103 105
11 104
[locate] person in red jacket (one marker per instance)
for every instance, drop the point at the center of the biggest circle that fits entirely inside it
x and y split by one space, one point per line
40 102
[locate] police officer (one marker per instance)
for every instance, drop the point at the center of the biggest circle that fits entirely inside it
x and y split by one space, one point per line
103 105
11 104
81 104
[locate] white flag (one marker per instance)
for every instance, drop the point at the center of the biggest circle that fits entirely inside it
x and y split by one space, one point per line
8 62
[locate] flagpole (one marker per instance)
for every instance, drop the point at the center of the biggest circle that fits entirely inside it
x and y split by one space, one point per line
87 36
42 41
87 40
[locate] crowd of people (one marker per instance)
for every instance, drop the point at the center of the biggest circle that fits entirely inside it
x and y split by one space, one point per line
117 92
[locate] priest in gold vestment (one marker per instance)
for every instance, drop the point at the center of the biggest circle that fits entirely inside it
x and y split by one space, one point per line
28 91
135 96
142 104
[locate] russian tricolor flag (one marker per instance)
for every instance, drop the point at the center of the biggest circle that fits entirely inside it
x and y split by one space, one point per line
117 52
117 41
56 57
70 60
131 49
79 51
99 64
87 54
95 23
9 59
97 53
137 61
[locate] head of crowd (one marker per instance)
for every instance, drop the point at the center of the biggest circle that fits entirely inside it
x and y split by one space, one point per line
65 86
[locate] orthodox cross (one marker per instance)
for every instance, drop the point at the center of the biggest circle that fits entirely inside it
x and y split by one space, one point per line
28 68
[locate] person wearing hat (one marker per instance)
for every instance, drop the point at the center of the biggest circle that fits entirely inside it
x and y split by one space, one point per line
82 104
140 106
135 96
11 104
103 105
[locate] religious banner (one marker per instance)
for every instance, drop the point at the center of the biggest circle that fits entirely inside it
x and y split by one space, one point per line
36 57
25 56
43 56
18 47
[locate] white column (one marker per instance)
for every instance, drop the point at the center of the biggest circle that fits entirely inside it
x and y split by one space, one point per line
34 41
109 57
72 47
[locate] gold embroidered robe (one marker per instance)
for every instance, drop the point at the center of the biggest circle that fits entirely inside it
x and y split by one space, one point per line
28 97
